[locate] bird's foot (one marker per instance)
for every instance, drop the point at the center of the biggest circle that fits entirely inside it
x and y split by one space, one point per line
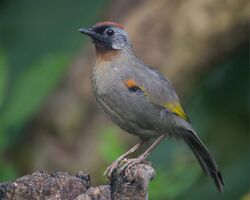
131 162
112 168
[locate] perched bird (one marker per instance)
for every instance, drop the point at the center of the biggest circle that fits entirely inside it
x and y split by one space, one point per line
139 99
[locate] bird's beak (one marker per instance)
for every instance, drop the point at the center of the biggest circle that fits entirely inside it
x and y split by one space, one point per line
90 32
87 31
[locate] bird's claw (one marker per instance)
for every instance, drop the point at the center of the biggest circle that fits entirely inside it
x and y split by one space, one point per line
130 163
125 167
109 171
114 166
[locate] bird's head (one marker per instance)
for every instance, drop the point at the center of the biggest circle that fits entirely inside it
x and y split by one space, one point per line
108 36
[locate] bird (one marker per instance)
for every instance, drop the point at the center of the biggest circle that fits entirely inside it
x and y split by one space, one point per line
139 99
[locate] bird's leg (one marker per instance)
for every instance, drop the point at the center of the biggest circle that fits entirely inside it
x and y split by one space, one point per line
143 156
150 149
108 172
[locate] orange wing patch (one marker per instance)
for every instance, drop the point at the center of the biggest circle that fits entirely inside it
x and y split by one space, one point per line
130 83
134 87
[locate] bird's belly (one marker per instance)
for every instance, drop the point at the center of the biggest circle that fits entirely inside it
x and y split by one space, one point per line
133 114
124 121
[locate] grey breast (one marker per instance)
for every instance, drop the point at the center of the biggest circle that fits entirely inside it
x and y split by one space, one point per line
130 111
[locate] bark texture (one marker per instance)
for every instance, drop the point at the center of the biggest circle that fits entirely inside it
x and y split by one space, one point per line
128 184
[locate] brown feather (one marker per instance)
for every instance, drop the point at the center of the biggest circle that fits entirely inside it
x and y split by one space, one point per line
108 23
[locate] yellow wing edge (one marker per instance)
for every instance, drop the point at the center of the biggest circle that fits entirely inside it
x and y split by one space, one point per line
177 109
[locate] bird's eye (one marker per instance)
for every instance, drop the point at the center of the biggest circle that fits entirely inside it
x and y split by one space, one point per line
110 32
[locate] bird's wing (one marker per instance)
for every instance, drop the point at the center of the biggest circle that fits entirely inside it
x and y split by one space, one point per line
158 89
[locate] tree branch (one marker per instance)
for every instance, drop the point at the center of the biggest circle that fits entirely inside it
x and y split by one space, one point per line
129 184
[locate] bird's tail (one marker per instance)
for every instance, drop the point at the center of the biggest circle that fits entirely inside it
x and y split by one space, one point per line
205 158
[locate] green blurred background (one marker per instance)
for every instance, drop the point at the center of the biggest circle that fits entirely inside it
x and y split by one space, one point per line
48 117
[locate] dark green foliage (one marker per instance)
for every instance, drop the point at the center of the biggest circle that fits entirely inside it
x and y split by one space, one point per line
34 56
